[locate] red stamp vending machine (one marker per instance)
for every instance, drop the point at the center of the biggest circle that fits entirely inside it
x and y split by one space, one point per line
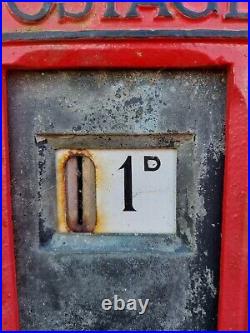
124 165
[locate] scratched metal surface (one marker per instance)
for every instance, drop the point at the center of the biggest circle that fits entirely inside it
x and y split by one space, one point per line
62 279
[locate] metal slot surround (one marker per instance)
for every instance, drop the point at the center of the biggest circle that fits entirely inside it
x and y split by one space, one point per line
76 193
80 194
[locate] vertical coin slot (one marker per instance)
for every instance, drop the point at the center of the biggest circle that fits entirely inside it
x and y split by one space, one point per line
80 196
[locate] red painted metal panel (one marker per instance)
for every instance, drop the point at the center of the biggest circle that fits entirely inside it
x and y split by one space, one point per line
233 267
10 320
157 53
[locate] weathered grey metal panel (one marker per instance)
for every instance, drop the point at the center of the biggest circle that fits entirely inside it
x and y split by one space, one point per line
62 279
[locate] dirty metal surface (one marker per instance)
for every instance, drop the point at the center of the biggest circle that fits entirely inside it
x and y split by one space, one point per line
62 279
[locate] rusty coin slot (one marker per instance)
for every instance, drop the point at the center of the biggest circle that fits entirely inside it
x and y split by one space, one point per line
80 194
79 189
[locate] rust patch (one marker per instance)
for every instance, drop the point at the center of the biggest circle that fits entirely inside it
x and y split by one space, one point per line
100 224
88 195
67 210
100 216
